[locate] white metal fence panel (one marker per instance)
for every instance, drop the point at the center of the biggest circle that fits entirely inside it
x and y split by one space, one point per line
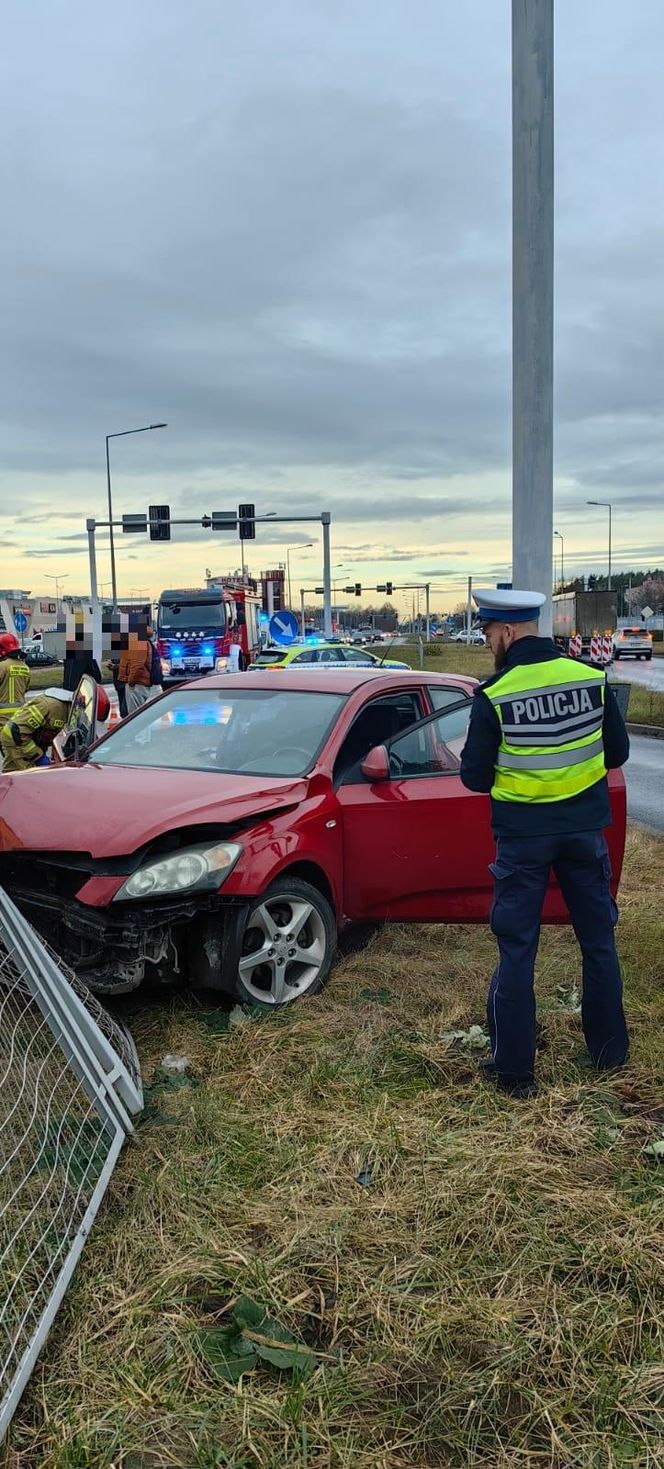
69 1085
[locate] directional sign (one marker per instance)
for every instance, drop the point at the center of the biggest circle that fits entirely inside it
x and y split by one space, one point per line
20 622
646 612
284 627
134 522
224 520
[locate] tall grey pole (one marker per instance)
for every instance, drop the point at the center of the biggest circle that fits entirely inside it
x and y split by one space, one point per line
303 628
114 584
327 574
610 515
428 610
94 599
469 608
532 298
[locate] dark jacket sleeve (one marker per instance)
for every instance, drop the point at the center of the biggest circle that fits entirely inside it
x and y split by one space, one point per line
614 734
478 759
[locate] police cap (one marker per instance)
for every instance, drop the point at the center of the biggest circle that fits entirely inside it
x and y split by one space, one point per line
513 606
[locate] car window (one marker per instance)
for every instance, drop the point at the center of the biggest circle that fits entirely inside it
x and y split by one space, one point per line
308 655
442 697
433 747
330 655
249 731
353 655
376 723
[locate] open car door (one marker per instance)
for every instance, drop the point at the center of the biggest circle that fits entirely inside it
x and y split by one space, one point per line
88 720
417 844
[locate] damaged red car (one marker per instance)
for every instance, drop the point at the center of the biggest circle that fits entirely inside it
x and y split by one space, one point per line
228 831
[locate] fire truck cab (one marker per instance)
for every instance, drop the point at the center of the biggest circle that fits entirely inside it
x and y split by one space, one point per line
197 626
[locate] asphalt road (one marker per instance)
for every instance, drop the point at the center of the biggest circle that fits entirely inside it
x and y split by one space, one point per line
651 675
645 782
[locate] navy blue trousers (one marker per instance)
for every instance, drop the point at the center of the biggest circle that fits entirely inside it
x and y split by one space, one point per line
521 872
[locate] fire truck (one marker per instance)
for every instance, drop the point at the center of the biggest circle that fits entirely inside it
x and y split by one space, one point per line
197 626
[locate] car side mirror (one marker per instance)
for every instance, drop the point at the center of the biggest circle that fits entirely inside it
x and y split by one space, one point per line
376 766
72 745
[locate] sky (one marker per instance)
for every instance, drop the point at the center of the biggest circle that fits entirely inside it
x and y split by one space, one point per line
285 230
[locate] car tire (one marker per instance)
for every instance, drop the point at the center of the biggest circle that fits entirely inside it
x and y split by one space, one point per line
616 657
648 657
288 907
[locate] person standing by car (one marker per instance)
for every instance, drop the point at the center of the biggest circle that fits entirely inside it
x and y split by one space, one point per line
543 732
135 670
14 676
31 730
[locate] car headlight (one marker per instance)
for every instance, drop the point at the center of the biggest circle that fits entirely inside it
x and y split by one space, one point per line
193 869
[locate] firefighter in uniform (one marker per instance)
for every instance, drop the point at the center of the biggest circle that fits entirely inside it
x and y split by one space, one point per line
543 733
31 730
14 676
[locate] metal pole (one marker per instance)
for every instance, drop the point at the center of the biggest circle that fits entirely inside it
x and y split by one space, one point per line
532 297
302 619
114 584
290 593
469 608
428 611
610 512
94 599
327 574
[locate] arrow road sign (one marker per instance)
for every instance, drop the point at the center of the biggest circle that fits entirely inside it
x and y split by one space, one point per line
284 627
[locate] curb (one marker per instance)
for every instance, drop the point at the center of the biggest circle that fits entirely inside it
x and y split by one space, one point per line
652 731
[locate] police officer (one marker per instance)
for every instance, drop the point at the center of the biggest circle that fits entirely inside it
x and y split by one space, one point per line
543 733
14 676
31 730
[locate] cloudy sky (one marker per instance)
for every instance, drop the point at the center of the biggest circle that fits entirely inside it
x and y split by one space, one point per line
285 229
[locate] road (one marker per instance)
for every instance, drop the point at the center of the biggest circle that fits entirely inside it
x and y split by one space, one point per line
645 782
651 675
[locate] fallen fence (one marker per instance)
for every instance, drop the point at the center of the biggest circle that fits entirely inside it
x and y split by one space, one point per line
70 1085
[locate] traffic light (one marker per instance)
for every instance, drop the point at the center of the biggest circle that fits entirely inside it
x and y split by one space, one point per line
358 589
388 588
159 517
245 515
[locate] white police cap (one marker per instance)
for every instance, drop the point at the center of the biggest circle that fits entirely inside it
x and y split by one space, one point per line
502 606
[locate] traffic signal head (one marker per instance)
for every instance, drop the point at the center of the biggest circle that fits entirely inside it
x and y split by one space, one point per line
159 517
388 588
245 516
358 589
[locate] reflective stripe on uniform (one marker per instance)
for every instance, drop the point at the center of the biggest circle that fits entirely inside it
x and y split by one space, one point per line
536 761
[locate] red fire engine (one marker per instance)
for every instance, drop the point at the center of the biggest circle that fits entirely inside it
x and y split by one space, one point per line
197 626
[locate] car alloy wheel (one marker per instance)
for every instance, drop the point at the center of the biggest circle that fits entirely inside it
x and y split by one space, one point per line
287 946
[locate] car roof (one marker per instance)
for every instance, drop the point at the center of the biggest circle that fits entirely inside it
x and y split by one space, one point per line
333 680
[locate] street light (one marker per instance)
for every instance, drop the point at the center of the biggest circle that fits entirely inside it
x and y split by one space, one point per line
605 505
121 435
562 559
57 579
307 545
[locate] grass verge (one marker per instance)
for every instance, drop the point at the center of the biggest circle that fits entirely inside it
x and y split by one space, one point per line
489 1293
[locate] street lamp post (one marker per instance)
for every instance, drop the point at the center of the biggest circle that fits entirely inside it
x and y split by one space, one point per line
305 547
122 435
605 505
562 559
57 579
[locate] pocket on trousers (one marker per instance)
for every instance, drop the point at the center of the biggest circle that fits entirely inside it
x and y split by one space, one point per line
606 877
503 878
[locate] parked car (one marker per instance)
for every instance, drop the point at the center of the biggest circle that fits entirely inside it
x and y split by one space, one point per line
37 657
229 829
476 638
299 655
632 642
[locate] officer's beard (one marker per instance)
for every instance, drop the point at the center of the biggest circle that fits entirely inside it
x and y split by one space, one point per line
500 655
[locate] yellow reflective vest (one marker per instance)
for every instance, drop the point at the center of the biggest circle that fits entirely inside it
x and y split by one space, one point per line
14 683
550 717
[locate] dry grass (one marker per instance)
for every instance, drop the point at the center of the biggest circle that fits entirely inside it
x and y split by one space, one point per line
493 1298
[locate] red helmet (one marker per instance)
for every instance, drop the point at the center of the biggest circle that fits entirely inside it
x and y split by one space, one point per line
8 644
103 704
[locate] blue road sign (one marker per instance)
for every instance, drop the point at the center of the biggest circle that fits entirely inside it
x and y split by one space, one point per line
284 627
20 622
503 586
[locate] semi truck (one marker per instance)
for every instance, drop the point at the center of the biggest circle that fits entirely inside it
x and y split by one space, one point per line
582 614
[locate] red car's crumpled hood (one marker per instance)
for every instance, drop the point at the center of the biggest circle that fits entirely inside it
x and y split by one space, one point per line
112 810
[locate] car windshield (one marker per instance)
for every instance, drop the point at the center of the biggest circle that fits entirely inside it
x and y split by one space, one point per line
177 617
249 731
